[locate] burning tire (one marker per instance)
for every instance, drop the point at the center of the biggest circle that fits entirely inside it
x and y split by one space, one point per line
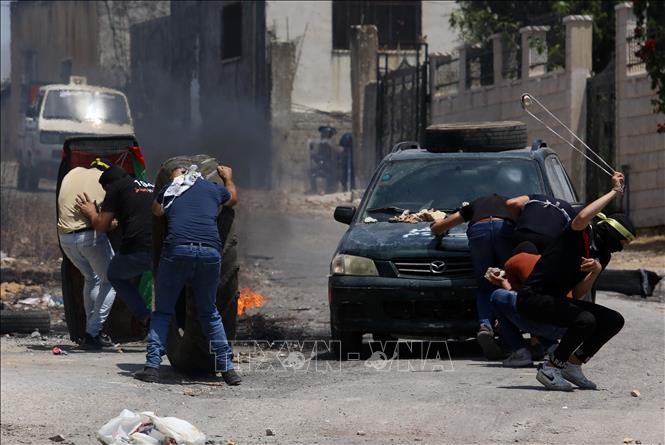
188 349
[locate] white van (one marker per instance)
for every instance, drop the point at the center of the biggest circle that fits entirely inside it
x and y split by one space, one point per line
61 111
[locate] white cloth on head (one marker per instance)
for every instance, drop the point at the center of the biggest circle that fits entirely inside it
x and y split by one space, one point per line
180 185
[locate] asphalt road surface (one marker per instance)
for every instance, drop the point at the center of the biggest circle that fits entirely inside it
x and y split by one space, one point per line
299 392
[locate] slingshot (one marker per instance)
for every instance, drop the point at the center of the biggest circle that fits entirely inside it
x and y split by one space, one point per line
527 100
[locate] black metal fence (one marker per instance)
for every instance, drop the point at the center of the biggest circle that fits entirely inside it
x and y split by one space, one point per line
402 98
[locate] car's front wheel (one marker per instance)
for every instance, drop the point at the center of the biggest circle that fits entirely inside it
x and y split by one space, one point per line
346 344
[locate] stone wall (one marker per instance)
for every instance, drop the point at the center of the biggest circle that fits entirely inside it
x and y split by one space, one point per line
640 150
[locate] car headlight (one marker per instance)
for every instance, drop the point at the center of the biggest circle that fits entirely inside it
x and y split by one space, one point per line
352 265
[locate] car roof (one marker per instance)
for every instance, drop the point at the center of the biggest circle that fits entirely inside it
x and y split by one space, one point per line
74 87
537 154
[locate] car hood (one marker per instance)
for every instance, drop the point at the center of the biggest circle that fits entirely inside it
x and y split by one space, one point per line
385 240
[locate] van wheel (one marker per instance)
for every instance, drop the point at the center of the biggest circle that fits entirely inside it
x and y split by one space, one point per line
188 349
476 136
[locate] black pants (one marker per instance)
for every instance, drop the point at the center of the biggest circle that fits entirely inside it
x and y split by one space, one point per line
589 325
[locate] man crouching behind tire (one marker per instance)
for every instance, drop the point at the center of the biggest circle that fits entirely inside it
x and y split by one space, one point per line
191 255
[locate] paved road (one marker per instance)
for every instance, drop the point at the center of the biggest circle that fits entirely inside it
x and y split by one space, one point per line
307 398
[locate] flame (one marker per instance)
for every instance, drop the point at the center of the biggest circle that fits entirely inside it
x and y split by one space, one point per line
249 299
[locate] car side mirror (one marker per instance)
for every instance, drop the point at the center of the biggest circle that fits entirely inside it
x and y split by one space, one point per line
31 113
344 214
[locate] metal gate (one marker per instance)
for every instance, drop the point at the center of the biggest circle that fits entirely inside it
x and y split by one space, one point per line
600 128
402 98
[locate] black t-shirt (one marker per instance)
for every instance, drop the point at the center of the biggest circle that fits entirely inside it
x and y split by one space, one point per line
130 201
480 208
545 215
557 271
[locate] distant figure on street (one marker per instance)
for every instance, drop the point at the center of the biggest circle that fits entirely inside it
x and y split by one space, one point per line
90 251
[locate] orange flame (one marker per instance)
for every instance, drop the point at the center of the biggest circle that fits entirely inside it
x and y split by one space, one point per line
249 299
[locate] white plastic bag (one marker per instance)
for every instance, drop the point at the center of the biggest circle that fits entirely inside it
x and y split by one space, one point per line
117 430
147 428
182 431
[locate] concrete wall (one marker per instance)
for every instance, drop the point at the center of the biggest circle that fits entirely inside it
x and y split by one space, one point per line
563 92
639 147
441 37
52 30
322 74
235 95
115 20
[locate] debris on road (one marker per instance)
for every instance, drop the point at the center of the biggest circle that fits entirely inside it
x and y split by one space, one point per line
269 432
146 427
635 393
57 351
627 440
58 438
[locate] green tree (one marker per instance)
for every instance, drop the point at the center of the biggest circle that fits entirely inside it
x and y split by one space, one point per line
478 20
650 35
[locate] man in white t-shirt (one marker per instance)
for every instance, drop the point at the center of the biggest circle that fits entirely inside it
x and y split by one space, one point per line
88 250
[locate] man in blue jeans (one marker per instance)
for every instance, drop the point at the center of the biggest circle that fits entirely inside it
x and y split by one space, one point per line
191 255
517 270
90 252
490 232
129 201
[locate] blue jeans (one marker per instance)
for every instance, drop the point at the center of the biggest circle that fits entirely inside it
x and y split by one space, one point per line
91 253
503 302
123 269
491 245
197 267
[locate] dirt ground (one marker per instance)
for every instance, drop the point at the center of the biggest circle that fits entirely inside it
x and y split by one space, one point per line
296 392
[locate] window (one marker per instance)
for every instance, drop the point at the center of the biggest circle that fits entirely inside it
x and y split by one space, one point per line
558 178
398 22
231 21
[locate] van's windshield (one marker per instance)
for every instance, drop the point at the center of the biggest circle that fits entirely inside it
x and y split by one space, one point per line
86 106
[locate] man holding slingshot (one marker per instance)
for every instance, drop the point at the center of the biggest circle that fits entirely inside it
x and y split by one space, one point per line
572 262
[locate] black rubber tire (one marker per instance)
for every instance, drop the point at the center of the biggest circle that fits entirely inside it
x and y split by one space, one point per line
476 136
188 349
347 345
24 322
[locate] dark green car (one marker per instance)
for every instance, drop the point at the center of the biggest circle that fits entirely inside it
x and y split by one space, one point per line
397 280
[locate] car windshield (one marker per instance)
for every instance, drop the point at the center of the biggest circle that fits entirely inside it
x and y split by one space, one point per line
445 184
86 106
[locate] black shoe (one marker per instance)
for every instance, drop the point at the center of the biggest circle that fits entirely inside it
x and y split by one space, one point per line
485 338
104 340
231 377
91 343
147 374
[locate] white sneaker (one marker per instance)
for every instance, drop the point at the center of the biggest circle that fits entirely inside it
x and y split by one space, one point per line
550 377
573 373
518 359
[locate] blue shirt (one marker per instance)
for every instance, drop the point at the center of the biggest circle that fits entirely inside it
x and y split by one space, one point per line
192 217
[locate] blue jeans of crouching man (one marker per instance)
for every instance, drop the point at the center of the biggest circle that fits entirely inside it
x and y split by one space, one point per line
490 243
196 266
